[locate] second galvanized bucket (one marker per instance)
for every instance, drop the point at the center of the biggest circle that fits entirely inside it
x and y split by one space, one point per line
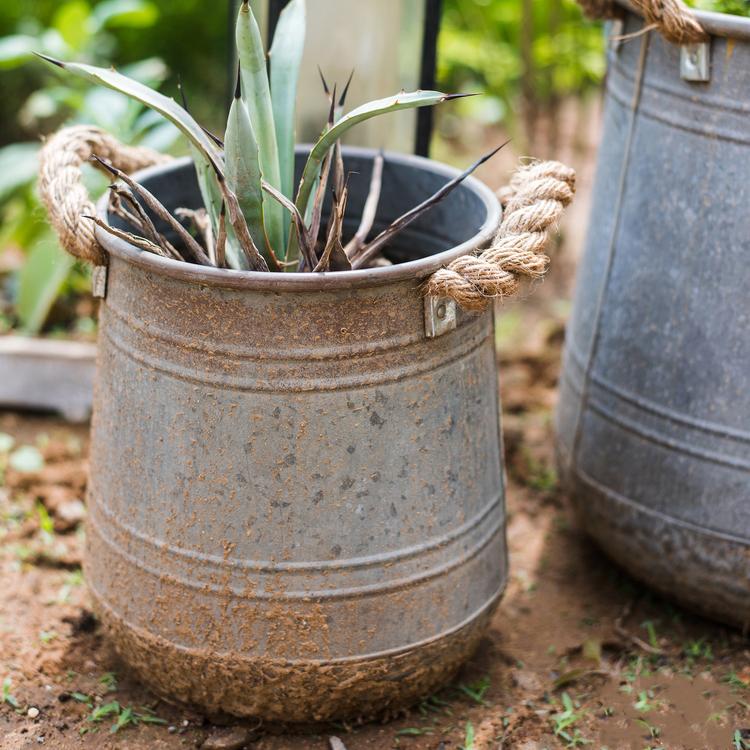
654 415
296 496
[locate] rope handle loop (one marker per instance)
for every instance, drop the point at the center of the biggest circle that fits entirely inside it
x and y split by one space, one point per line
61 185
533 201
676 22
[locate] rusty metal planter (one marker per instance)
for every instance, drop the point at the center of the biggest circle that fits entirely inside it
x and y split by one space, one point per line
655 397
296 496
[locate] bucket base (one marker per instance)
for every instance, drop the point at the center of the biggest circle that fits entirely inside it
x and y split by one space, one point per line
706 571
300 691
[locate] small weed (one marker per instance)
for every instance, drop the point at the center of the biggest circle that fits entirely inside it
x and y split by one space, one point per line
46 524
81 697
651 630
653 732
642 704
109 680
469 737
414 732
636 669
47 636
563 724
124 717
739 680
72 580
739 742
700 649
477 690
7 696
434 705
541 477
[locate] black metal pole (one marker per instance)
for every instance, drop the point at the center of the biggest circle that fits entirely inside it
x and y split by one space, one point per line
428 73
274 11
232 10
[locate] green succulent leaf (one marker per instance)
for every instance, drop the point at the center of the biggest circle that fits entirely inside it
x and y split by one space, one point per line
256 92
404 100
209 161
243 169
286 59
164 105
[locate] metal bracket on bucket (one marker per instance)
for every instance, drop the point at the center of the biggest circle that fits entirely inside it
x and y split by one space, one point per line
616 31
439 316
99 282
695 62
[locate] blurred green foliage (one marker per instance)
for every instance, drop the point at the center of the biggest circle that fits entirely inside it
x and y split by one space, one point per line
534 50
190 42
733 7
525 55
77 30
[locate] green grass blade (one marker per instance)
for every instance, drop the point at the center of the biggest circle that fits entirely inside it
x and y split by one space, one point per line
257 97
243 169
286 59
367 111
212 199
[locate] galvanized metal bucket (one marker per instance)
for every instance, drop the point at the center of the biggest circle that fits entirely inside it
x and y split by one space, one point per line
654 414
296 496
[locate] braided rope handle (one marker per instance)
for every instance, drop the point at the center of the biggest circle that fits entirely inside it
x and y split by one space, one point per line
676 22
534 201
61 185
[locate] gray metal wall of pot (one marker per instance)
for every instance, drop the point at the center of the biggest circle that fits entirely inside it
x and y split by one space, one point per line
654 414
296 498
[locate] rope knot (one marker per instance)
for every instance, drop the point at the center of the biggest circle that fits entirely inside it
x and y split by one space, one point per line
534 201
676 22
61 188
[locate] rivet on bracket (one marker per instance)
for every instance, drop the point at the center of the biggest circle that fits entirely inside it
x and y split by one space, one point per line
695 62
439 316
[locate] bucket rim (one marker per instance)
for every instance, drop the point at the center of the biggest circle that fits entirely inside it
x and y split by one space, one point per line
416 270
716 24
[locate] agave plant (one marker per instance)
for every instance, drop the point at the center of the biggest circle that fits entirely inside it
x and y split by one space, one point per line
253 217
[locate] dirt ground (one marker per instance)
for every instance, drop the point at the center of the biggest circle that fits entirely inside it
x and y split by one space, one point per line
578 654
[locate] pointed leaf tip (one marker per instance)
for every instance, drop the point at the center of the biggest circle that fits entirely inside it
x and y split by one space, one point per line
323 80
213 137
105 164
181 89
451 97
238 85
51 60
342 100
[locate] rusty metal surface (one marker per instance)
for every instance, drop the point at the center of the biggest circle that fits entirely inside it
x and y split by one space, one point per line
296 499
654 411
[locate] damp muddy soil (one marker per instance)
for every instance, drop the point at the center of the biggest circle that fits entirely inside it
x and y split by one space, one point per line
578 654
